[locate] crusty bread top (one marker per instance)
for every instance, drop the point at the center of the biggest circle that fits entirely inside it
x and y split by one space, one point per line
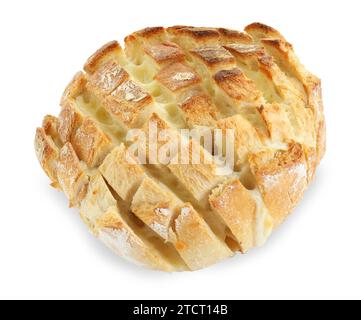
185 216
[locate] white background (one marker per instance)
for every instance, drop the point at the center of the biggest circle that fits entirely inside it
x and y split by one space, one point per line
46 251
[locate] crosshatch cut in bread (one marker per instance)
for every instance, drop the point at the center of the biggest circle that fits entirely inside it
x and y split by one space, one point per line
174 215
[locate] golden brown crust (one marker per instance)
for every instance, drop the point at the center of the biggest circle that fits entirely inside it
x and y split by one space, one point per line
69 121
150 32
122 175
165 52
100 212
116 234
276 84
290 65
282 178
277 122
200 34
110 50
245 50
91 144
47 153
74 88
178 76
108 77
236 207
199 110
236 85
71 175
50 125
178 223
314 91
153 35
97 201
282 52
176 217
156 119
304 125
158 123
215 56
232 36
127 102
246 137
155 206
198 177
260 30
130 92
194 240
321 141
278 44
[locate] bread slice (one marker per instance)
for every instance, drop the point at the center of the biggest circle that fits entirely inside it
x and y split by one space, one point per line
161 212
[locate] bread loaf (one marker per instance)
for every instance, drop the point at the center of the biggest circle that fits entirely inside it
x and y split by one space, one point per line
176 216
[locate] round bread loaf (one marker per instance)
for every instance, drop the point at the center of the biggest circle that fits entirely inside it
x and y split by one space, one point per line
184 215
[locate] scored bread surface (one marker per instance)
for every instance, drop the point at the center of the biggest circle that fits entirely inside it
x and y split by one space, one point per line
178 217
